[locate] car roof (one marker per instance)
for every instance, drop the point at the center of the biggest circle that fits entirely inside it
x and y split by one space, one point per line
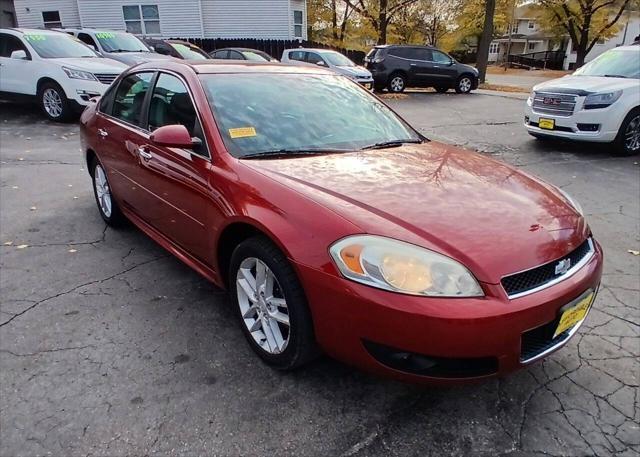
631 47
234 67
38 31
385 46
239 50
311 49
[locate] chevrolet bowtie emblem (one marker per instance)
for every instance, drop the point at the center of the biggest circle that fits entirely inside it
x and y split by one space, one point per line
563 266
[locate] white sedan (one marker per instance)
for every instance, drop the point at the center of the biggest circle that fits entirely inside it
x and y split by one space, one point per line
600 102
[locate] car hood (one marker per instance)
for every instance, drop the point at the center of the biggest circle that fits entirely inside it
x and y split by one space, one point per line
359 72
93 64
134 58
491 217
584 85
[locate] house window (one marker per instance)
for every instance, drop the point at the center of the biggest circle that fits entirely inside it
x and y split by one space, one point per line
51 19
531 46
494 48
514 29
531 25
297 23
142 19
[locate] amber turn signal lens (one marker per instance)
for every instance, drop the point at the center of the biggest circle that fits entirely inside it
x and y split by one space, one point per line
350 255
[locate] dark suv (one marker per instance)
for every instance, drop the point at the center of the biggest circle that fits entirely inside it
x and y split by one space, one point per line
397 67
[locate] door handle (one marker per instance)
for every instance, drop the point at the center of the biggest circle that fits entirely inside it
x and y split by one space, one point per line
103 133
146 155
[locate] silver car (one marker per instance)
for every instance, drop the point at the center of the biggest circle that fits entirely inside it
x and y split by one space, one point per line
329 59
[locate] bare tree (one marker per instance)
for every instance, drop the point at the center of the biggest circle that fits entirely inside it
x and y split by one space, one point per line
380 13
485 39
586 21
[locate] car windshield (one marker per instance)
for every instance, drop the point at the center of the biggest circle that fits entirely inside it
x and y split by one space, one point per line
53 46
275 112
616 63
337 59
189 52
250 55
120 42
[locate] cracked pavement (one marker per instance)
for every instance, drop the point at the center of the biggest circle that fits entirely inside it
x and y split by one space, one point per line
110 346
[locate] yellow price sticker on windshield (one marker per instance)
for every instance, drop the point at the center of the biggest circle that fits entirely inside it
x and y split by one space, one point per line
31 37
242 132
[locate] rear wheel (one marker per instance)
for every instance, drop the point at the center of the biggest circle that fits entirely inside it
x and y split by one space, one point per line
464 84
397 83
628 140
107 206
271 304
54 102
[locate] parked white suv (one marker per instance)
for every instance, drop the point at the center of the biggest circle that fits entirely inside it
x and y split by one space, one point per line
600 102
61 72
121 46
329 59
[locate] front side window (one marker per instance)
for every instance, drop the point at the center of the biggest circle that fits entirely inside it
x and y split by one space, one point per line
129 98
314 58
51 19
440 57
10 43
120 42
298 23
86 39
263 112
142 19
171 104
57 45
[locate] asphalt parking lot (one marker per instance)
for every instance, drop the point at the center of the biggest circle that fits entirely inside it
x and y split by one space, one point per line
109 346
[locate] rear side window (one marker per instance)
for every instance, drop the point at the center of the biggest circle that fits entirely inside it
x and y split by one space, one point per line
405 53
220 55
235 55
298 55
129 97
421 54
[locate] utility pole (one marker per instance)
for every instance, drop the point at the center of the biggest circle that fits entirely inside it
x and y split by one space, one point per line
513 18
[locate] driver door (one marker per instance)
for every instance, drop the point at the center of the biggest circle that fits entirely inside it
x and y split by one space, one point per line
15 74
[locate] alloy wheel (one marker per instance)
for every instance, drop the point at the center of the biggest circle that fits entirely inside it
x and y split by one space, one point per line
464 85
632 135
397 84
52 102
263 305
102 191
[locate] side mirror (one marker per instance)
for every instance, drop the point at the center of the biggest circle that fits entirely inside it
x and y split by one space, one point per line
19 55
321 63
173 136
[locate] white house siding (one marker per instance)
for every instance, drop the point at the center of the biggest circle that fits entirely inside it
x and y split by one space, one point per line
178 18
250 18
29 12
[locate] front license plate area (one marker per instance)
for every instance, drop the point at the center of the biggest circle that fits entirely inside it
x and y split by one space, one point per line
547 124
573 313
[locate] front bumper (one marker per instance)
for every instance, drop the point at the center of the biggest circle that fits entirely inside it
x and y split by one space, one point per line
597 125
366 82
357 324
81 91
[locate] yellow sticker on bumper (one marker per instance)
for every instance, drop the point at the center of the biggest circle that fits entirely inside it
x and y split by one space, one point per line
574 314
242 132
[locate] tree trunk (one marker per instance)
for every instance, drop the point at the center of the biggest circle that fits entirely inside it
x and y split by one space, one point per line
485 39
382 22
334 20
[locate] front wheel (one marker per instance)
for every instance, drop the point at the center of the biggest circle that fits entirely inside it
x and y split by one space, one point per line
464 84
271 304
628 140
54 102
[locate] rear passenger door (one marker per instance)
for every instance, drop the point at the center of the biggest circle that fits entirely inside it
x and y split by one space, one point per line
178 178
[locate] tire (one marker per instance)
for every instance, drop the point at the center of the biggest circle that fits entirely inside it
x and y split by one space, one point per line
441 90
54 103
283 346
107 205
397 83
627 142
464 84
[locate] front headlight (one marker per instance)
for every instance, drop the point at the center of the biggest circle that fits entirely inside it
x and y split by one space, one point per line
79 74
577 206
394 265
595 101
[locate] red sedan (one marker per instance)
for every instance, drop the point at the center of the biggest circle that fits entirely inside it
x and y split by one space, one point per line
336 226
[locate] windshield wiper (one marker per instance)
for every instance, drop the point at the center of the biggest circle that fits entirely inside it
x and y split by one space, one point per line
614 76
292 153
390 144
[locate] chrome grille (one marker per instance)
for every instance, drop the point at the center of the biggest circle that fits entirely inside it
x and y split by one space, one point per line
106 78
554 104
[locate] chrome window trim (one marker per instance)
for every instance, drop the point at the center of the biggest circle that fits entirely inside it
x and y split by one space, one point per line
573 270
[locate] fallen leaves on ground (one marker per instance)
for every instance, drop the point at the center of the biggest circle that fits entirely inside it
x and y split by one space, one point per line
633 251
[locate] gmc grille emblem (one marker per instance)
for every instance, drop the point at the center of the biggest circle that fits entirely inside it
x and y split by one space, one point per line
551 101
563 266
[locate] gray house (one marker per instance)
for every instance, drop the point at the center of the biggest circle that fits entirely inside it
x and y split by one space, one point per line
266 19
